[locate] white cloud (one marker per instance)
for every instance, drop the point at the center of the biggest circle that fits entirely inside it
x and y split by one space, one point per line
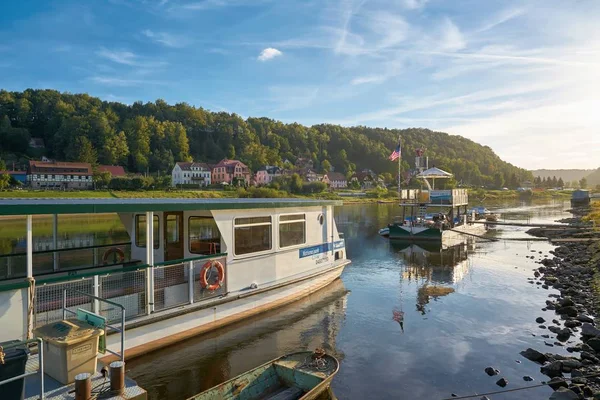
451 39
414 4
166 39
368 79
124 82
269 53
502 17
128 58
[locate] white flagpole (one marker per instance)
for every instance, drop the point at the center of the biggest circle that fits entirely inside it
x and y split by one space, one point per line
399 168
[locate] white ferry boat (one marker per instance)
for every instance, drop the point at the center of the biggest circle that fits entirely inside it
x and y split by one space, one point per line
192 265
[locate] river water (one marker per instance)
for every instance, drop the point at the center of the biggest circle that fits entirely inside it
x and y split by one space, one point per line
464 309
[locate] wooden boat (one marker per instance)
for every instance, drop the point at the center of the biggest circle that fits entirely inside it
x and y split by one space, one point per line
297 376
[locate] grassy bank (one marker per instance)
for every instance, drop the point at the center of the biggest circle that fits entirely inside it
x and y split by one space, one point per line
476 196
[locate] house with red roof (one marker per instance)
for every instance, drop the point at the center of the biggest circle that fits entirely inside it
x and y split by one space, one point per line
226 171
116 171
59 175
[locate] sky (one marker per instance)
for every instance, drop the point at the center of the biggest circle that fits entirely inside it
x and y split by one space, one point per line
522 77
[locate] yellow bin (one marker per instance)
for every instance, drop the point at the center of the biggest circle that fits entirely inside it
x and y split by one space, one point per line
70 348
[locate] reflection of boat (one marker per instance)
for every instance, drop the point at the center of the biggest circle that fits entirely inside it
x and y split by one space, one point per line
297 376
311 322
433 263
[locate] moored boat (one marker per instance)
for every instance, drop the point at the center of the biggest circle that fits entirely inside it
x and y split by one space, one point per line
297 376
190 266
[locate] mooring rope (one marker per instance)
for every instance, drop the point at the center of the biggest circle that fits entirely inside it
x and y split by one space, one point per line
30 307
520 388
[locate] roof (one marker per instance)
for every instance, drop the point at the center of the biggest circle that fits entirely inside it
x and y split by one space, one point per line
187 166
13 172
42 166
434 173
335 176
95 206
229 163
115 170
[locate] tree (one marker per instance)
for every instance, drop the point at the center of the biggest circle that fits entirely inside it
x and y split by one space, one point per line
560 183
296 184
2 165
583 183
326 166
4 181
116 150
102 179
83 151
498 180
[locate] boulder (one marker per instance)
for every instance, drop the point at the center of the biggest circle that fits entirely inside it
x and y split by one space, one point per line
594 343
584 318
571 311
552 369
564 394
566 302
569 365
534 355
540 320
572 323
502 382
557 383
491 371
527 378
588 329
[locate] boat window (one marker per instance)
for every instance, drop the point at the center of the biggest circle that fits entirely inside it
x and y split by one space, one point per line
140 232
204 235
292 230
252 235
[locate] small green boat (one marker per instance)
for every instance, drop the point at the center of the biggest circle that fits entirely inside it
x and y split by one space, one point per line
298 376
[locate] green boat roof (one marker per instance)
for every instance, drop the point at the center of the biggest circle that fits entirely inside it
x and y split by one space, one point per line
94 206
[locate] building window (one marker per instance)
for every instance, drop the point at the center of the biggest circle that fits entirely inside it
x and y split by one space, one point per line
204 235
140 232
292 230
252 235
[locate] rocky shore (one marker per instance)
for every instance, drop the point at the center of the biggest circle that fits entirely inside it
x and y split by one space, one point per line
574 270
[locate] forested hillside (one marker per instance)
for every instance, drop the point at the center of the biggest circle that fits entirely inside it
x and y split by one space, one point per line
152 136
566 175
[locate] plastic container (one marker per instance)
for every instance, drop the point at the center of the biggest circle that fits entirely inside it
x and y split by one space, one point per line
70 348
15 359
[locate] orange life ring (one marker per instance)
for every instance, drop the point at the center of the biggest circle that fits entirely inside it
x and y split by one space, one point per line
204 275
113 250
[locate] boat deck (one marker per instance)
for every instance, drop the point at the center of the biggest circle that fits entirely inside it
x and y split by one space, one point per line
54 390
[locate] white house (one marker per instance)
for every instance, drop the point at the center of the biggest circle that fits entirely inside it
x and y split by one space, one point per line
191 173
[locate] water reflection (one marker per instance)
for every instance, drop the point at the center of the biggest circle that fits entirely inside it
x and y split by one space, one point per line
434 269
193 366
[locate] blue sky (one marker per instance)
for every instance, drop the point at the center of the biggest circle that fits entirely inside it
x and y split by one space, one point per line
520 76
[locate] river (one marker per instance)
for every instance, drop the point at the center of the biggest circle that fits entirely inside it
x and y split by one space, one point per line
457 320
464 309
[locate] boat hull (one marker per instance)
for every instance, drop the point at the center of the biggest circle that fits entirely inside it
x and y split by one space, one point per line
189 321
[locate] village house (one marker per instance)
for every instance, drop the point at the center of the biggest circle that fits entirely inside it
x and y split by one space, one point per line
116 171
191 173
59 175
366 179
335 180
265 175
226 171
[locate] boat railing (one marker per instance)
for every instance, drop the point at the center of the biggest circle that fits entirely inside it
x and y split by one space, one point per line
61 260
139 289
30 369
107 326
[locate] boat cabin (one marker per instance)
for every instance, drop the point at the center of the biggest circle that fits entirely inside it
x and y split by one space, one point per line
179 253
